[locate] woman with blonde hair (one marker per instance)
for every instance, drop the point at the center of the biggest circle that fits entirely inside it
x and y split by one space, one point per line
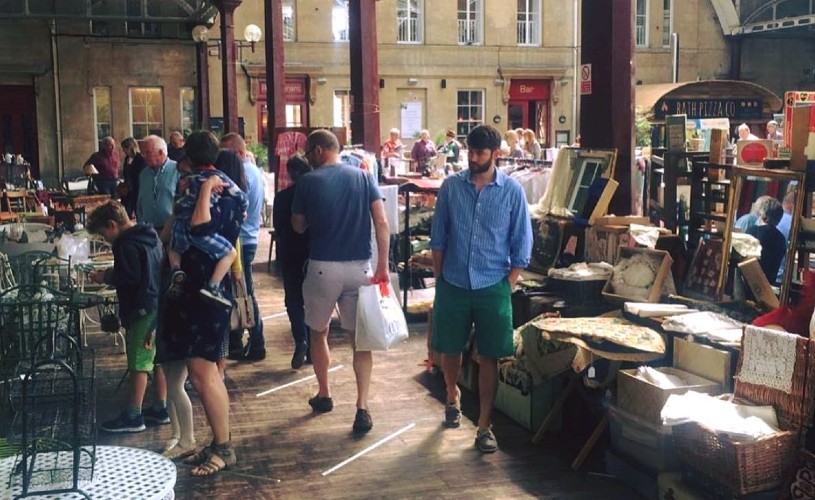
531 146
512 139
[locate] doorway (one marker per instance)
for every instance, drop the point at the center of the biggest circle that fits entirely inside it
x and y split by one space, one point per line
18 127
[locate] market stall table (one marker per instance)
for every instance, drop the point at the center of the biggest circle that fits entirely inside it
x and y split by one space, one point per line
119 473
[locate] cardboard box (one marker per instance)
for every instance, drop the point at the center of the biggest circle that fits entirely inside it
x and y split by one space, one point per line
758 283
529 410
604 241
646 443
663 273
645 400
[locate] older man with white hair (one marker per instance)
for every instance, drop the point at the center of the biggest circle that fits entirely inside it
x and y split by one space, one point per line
157 184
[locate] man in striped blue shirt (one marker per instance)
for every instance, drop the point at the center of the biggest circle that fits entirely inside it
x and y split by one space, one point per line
481 240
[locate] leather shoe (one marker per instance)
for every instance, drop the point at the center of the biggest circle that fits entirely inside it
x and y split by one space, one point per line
299 356
255 355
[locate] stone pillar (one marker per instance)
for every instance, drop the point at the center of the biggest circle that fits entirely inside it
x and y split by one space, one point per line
275 73
226 9
364 74
607 115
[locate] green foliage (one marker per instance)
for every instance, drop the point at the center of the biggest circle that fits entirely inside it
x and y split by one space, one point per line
261 153
642 129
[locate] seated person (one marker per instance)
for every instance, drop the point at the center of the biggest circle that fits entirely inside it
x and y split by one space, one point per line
773 244
215 245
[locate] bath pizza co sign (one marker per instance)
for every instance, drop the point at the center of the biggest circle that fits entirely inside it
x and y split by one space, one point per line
735 109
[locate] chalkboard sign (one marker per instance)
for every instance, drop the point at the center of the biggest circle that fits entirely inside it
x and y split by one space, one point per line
675 132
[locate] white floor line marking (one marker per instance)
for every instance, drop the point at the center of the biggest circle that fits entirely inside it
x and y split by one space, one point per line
372 447
277 315
295 382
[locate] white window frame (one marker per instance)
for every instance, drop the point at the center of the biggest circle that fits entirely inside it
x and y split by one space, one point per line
96 121
471 28
530 23
161 123
290 28
342 111
469 122
641 24
339 35
582 187
669 15
187 122
410 15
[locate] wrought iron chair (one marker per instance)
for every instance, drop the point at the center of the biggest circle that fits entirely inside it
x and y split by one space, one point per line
22 266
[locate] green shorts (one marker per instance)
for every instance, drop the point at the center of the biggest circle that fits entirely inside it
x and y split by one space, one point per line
140 359
455 310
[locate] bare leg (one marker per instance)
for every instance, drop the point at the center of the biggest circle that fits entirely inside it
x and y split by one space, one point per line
221 367
138 384
207 381
320 359
487 384
160 382
451 365
223 266
174 258
363 364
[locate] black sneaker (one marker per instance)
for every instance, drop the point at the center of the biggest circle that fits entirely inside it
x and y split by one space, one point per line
452 416
255 355
176 287
156 416
212 293
363 422
485 441
321 404
123 424
299 357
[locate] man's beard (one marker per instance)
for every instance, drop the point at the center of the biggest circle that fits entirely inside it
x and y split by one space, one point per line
477 168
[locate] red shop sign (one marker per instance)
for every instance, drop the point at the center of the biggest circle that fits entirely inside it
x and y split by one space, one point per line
294 90
529 90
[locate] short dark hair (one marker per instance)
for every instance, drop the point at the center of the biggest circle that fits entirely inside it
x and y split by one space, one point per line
323 138
112 211
201 148
297 167
230 163
450 133
484 137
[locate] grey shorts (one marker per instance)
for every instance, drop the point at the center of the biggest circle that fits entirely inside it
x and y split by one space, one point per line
330 284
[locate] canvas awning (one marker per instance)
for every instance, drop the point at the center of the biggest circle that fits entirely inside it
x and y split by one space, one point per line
706 91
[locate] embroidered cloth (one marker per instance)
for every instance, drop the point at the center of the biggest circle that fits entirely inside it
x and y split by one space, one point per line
768 358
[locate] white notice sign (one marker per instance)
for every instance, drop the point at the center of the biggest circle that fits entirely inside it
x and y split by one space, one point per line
411 119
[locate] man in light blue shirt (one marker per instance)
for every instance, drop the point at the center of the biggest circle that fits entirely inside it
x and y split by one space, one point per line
481 239
255 187
157 184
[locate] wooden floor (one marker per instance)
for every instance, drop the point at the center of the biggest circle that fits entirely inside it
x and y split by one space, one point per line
284 450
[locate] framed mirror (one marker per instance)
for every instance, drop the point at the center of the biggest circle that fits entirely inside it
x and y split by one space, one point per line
765 204
573 173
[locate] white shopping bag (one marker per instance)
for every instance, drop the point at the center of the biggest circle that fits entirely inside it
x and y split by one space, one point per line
380 321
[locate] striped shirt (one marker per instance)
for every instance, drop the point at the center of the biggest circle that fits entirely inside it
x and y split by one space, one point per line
483 234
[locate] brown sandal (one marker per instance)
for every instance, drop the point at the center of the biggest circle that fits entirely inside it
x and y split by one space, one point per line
200 456
221 457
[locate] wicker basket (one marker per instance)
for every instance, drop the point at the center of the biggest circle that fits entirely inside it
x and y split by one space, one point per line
749 467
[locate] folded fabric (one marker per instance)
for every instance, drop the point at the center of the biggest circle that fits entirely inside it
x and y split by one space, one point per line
650 310
583 272
700 323
660 379
747 246
740 422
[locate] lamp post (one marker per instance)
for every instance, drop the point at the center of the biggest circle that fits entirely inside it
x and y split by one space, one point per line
228 53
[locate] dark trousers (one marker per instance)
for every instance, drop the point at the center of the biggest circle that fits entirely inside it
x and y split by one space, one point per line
256 340
106 186
293 277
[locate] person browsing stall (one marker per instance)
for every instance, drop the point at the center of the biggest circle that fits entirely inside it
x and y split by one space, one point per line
157 184
103 166
137 255
481 239
337 204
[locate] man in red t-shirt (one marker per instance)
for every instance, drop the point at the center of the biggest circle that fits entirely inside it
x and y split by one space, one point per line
103 167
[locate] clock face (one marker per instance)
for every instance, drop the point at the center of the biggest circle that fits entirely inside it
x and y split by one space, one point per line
754 153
